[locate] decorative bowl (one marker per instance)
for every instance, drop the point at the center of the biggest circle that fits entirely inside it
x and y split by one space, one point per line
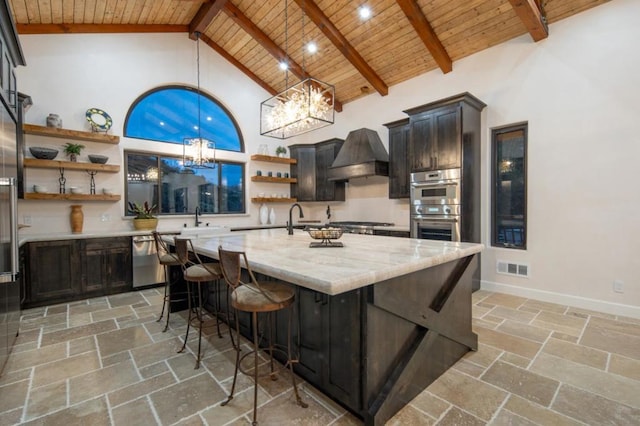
39 189
98 159
75 190
325 233
42 153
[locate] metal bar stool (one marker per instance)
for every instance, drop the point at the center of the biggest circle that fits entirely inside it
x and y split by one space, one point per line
196 273
166 259
255 297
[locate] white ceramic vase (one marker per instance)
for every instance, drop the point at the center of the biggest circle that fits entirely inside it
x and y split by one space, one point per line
272 216
264 214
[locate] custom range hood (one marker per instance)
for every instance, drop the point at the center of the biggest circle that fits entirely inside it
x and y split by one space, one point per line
362 154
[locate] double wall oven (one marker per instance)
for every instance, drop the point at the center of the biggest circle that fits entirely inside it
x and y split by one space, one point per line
436 205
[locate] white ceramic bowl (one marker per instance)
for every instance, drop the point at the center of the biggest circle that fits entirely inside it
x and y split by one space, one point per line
75 190
39 189
107 191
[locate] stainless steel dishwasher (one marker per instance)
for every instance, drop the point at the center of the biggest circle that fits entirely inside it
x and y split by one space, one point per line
146 267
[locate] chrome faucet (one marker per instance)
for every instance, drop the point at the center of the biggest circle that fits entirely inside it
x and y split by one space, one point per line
290 223
197 215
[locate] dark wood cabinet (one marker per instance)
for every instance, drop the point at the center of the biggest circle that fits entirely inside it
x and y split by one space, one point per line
330 344
107 265
441 131
53 273
66 270
399 159
311 169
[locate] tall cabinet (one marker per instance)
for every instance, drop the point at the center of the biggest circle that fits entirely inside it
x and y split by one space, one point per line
311 169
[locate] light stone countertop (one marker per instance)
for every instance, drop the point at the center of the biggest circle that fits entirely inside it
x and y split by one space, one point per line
363 260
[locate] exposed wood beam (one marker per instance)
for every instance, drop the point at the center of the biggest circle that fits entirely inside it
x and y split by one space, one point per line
238 64
269 45
99 28
532 18
311 9
207 12
422 26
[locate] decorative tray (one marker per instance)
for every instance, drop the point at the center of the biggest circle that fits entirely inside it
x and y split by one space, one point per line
325 235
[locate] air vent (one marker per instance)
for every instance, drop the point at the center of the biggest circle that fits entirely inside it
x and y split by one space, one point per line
515 269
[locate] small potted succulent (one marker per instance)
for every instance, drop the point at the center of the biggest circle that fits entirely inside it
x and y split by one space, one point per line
281 151
73 150
144 219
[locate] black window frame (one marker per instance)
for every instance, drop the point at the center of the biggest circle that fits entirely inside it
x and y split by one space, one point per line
159 191
495 181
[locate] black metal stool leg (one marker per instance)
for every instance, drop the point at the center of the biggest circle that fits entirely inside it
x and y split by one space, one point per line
237 349
290 361
200 320
164 299
186 337
254 318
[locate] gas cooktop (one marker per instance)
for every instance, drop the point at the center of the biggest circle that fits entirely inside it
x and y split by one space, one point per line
354 227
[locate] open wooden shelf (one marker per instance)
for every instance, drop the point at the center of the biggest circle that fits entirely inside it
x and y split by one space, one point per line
70 165
271 159
273 179
33 129
71 197
273 200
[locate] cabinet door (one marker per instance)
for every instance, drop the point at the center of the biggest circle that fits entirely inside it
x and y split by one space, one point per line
327 190
95 271
119 270
310 335
54 271
399 162
343 348
448 134
305 172
421 147
107 263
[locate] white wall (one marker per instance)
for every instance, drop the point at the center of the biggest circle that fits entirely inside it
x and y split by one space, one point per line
577 90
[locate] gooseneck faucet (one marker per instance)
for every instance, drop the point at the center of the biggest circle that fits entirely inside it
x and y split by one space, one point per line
290 223
197 216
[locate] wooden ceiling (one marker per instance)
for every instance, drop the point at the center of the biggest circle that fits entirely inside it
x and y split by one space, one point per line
402 38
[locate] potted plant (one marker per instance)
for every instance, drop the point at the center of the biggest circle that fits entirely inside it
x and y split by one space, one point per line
144 219
73 150
281 151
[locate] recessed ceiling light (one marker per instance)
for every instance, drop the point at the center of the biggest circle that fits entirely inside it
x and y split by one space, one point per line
312 47
364 12
195 127
283 66
162 123
209 119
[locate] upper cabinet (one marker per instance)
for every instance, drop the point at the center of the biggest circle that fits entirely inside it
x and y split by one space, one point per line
440 131
310 171
399 158
11 57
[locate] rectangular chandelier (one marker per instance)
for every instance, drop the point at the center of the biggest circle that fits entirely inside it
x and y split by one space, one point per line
198 153
301 108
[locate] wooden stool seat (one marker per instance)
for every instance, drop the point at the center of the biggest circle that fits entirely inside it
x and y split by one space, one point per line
166 259
203 272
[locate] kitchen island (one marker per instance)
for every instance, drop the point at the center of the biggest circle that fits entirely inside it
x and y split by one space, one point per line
379 319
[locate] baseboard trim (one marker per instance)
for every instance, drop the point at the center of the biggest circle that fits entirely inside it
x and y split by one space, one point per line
564 299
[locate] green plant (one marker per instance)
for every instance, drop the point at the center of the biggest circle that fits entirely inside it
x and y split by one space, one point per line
142 211
281 150
73 148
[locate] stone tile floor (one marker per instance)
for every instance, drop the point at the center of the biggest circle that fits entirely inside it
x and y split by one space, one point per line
106 361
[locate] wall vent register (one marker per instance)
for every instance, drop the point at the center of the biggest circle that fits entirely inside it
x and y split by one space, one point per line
514 269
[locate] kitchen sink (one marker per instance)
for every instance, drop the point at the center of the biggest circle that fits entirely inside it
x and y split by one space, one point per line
204 231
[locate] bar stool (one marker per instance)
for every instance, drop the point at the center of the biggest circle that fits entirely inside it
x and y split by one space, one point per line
166 259
196 273
255 297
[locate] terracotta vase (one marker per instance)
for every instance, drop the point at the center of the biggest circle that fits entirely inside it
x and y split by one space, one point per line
77 219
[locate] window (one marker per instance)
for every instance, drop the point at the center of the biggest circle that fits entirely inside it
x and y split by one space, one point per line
509 183
173 189
170 114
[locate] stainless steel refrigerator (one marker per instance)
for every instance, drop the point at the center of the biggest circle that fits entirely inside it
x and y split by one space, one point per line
9 284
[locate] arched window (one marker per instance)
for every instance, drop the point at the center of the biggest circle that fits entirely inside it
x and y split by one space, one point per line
170 114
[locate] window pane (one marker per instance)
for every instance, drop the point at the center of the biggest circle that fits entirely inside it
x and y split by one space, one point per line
232 188
142 180
170 114
509 187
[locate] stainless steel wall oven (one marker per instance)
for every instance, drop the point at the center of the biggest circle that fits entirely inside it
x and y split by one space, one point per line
435 205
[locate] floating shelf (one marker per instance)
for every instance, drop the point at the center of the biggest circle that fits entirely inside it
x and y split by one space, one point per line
273 200
70 165
71 197
271 159
33 129
273 179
